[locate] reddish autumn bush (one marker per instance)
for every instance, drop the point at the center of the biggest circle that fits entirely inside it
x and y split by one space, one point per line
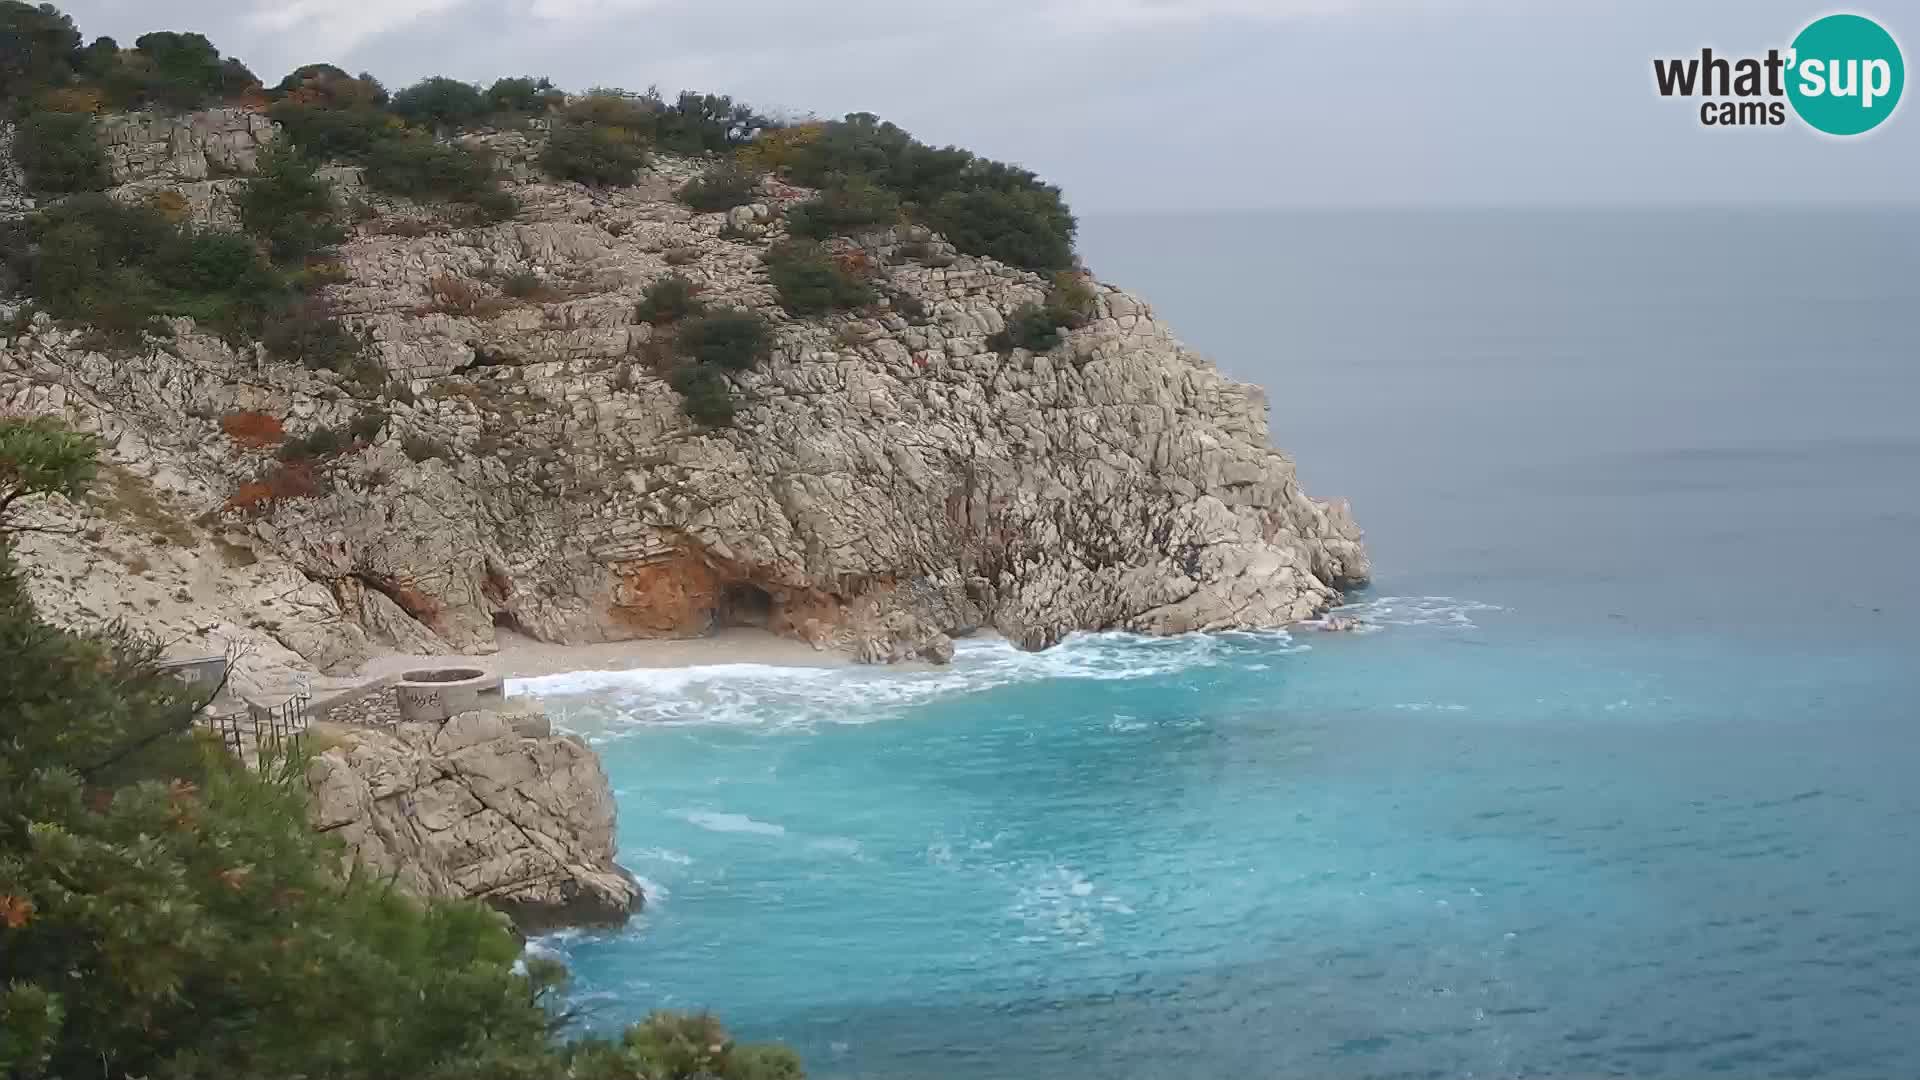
253 430
286 480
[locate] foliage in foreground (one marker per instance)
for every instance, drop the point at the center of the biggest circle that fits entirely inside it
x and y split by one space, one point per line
165 912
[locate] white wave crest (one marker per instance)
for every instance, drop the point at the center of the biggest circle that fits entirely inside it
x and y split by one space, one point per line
1445 612
718 821
800 698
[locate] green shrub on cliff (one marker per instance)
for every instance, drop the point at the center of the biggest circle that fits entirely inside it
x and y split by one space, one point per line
523 95
168 912
811 282
708 346
598 154
396 160
731 340
440 102
423 169
60 153
289 206
705 394
324 133
703 123
1029 327
1037 327
985 207
851 204
115 267
722 187
1027 227
307 332
668 299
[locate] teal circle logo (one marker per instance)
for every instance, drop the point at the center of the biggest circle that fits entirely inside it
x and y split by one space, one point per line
1846 74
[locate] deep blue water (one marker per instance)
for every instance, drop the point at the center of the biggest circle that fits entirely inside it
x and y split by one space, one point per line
1626 782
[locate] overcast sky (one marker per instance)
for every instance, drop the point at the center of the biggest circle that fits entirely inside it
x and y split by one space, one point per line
1161 104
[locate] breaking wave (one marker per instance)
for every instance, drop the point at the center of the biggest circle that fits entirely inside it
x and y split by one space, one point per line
776 697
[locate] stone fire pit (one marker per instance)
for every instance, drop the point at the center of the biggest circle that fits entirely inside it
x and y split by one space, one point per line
432 695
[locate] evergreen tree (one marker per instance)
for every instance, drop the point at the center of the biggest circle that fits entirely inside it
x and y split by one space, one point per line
167 913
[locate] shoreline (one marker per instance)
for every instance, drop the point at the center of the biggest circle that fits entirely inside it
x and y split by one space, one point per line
520 657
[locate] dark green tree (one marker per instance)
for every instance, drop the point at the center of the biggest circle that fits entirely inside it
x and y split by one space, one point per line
187 71
167 912
701 123
440 102
37 49
61 153
523 94
287 204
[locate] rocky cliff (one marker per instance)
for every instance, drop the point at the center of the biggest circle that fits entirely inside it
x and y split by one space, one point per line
891 479
485 806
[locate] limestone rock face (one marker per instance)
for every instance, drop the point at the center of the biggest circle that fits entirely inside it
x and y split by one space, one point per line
194 146
487 806
891 479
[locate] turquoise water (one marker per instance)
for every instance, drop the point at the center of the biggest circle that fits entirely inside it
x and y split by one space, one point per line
1621 783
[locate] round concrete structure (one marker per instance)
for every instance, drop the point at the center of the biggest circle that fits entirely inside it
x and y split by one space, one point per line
432 695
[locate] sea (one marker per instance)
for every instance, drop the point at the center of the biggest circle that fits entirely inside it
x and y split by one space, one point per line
1622 778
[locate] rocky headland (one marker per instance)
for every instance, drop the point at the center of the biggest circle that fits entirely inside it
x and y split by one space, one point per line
892 478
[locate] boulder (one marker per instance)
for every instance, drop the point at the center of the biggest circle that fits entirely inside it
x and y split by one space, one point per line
485 806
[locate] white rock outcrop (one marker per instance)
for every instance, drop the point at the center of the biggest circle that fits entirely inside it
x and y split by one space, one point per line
486 806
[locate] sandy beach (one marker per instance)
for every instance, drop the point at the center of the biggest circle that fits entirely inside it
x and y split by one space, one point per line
521 656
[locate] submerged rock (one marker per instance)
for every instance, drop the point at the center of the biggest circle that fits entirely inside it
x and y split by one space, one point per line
486 806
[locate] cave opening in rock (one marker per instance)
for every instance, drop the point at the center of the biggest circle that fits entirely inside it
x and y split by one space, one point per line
505 623
745 604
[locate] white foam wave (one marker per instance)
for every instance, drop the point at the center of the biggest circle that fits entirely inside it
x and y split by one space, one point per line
1060 903
789 698
719 821
1445 612
665 855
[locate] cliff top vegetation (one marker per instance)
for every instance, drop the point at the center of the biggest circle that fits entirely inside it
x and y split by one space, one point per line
869 170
